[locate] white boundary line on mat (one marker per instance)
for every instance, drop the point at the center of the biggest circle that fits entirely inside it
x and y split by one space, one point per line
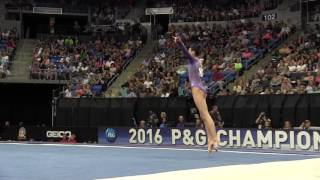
299 169
157 148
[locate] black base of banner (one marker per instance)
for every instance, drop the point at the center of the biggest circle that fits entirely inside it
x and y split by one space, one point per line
51 134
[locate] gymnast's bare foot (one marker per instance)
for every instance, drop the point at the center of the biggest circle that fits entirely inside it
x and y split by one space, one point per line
212 146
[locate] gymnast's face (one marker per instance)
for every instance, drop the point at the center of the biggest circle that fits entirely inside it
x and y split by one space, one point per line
192 52
201 61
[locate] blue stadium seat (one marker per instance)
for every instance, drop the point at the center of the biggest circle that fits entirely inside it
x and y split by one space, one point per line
96 89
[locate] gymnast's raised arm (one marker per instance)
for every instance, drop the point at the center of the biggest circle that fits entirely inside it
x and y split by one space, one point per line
191 58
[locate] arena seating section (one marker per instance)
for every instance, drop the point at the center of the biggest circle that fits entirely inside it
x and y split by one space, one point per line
294 69
215 10
106 12
102 12
8 43
229 51
89 62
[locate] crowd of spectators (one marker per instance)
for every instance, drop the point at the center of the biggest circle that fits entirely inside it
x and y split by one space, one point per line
102 12
75 6
216 10
87 62
227 50
106 12
8 43
294 69
72 139
314 11
264 122
162 121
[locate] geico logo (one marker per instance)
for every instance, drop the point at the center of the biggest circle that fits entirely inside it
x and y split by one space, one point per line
57 134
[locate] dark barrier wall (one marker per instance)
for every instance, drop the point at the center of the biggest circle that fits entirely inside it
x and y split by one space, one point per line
236 111
28 103
115 111
84 134
242 111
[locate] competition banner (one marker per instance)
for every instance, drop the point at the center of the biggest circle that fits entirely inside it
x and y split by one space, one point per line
229 138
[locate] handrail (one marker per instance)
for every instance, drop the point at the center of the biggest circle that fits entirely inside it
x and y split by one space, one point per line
124 66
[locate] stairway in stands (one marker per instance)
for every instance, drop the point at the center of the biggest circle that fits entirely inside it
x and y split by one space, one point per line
147 50
22 60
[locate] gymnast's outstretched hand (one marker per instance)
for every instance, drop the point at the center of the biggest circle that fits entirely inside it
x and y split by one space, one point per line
176 39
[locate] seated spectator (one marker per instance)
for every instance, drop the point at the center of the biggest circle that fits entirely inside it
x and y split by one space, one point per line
318 78
247 54
216 116
263 121
309 77
64 139
153 120
180 123
240 87
20 124
163 123
238 66
142 124
7 124
287 125
124 91
225 92
72 139
198 122
285 50
286 86
67 93
310 88
267 36
306 124
163 120
268 124
22 134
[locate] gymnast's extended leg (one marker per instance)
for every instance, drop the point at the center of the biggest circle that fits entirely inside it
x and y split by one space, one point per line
199 98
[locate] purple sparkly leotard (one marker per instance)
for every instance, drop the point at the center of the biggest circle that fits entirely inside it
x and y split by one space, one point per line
193 69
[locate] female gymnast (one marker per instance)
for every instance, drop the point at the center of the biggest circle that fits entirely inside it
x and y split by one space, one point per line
199 93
